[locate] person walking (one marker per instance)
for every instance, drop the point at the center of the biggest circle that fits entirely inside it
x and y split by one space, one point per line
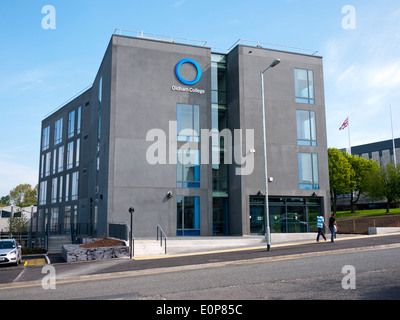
333 227
321 227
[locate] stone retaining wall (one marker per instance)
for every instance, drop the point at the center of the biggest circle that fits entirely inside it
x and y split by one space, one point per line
74 253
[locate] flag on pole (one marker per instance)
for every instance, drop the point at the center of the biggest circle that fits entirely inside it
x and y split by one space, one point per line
345 124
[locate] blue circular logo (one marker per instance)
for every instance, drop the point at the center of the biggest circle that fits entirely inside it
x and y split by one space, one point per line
178 73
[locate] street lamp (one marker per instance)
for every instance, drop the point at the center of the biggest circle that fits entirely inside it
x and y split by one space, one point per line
266 206
131 253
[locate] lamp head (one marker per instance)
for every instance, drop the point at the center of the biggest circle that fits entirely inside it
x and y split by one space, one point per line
275 63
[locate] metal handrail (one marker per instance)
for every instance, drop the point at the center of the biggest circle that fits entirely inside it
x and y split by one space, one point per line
162 233
159 37
274 46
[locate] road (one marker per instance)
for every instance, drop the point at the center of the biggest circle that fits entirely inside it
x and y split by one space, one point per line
376 276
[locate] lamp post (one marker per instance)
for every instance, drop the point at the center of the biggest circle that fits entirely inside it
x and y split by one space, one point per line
266 205
131 253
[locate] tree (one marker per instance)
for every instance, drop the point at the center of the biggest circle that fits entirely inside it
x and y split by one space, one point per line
339 174
5 201
18 225
360 168
384 183
23 195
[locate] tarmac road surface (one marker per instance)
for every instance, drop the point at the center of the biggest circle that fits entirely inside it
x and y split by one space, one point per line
10 277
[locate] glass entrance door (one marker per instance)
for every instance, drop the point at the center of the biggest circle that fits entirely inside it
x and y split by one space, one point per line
257 215
187 216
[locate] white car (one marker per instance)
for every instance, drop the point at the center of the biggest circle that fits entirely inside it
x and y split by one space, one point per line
10 252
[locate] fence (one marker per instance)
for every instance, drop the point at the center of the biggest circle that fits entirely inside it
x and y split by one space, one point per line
360 225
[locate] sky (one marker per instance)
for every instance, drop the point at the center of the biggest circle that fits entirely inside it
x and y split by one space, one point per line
42 68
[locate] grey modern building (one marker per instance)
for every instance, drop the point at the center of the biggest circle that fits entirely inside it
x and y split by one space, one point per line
175 131
381 151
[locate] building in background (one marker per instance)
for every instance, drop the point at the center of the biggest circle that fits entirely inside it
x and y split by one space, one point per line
382 152
175 131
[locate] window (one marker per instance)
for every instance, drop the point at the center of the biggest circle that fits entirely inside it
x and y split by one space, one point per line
42 192
188 122
54 161
61 159
58 131
74 187
98 133
48 164
188 216
67 219
61 189
71 124
308 171
70 155
54 220
42 166
46 138
54 191
77 154
100 90
304 86
67 187
306 128
188 169
79 121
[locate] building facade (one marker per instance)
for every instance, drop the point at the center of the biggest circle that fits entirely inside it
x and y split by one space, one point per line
175 131
382 152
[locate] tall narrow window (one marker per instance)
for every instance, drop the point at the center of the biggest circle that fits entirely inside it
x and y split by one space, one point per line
67 219
54 161
77 153
42 166
100 90
67 187
188 120
79 121
54 227
71 124
42 192
70 155
306 128
188 216
308 171
60 194
74 187
46 138
61 159
304 86
58 131
188 169
48 163
54 190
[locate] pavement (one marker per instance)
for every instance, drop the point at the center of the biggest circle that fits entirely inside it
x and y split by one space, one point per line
31 274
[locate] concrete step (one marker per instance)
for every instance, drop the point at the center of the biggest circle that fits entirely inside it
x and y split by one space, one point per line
176 245
148 248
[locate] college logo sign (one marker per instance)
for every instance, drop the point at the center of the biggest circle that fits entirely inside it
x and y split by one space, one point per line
185 81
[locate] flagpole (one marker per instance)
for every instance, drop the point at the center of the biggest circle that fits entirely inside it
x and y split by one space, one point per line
394 145
348 128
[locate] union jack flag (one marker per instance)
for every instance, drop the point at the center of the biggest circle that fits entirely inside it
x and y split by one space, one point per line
345 124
